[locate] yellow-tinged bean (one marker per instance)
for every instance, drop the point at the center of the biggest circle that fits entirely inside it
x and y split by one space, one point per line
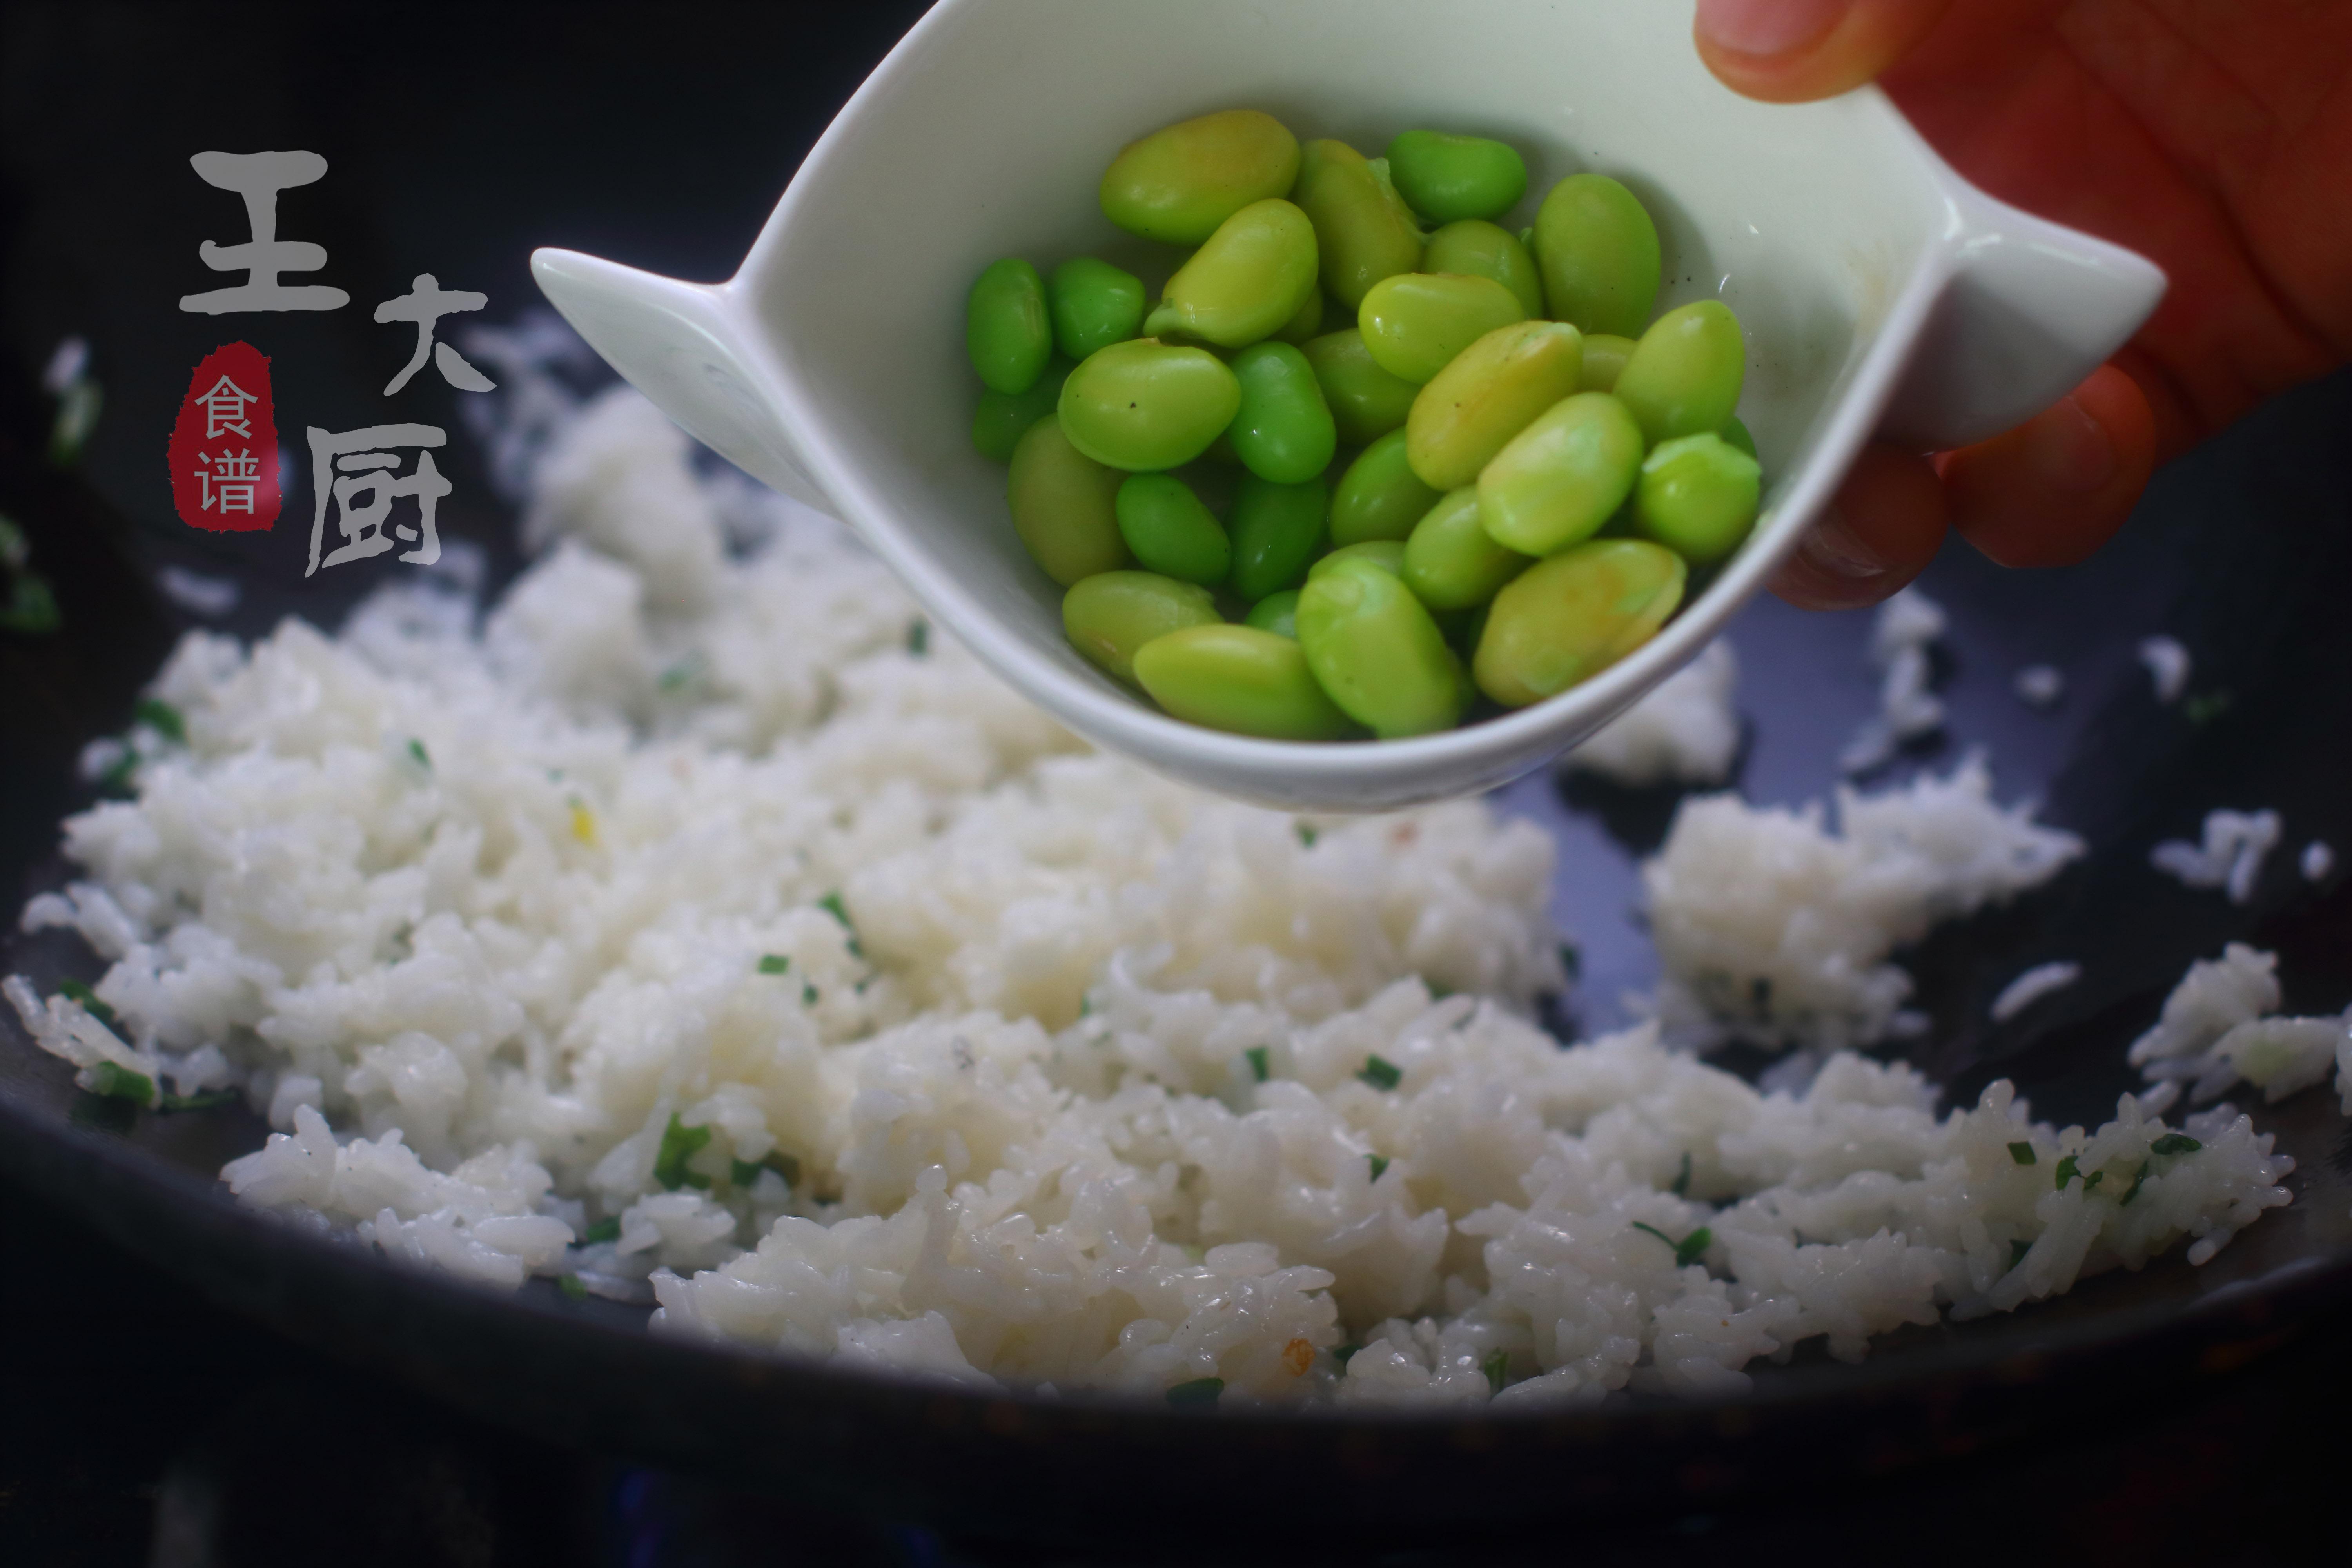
1146 405
1683 377
1110 615
1182 181
1276 531
1007 333
1483 249
1415 322
1376 652
1452 563
1605 354
1388 554
1001 418
1242 679
1599 253
1065 506
1492 391
1363 230
1567 618
1380 496
1366 402
1562 477
1249 280
1284 431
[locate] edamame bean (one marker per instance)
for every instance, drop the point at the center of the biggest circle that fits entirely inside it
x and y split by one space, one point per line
1308 323
1093 305
1364 231
1276 531
1170 531
1246 282
1180 182
1276 612
1148 405
1562 477
1242 679
1599 253
1567 618
1388 554
1376 653
1001 418
1366 402
1415 322
1284 431
1698 496
1605 354
1447 178
1683 376
1452 563
1737 434
1480 250
1492 391
1110 615
1006 331
1065 505
1380 496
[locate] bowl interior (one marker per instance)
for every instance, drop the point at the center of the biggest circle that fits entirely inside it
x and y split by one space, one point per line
987 133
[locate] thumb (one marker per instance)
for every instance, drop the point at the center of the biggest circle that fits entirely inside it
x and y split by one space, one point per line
1790 51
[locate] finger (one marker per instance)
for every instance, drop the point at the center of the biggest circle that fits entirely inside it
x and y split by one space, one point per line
2052 490
1879 532
1791 51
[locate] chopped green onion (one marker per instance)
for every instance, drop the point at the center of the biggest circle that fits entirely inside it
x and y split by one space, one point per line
1085 1005
1497 1366
604 1230
2095 1178
808 995
2017 1251
1341 1352
1256 1056
1379 1162
80 993
679 1143
2066 1170
831 904
1381 1073
1200 1391
919 638
2133 1191
162 718
1692 1246
743 1173
677 675
2021 1152
571 1286
1307 835
2203 708
2175 1143
1681 1188
1653 1230
203 1100
121 776
425 761
31 609
1571 960
114 1081
775 963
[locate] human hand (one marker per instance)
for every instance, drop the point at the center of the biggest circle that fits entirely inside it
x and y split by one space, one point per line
2212 136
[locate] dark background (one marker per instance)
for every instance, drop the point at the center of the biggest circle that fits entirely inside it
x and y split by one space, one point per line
139 1424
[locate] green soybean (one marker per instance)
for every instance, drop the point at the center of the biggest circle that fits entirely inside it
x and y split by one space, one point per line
1276 612
1001 418
1683 375
1599 253
1567 618
1170 531
1148 405
1283 431
1380 496
1388 554
1698 496
1448 178
1492 391
1110 615
1366 402
1245 282
1308 323
1363 230
1562 477
1415 322
1480 250
1737 434
1093 305
1276 532
1242 679
1180 182
1065 506
1605 354
1377 653
1452 563
1006 330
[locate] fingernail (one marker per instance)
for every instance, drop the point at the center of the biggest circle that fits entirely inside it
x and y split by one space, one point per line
1766 26
2069 450
1834 549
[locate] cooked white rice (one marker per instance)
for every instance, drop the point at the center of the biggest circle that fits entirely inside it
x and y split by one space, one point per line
2167 665
2040 686
2218 1030
1085 1078
1905 629
2230 857
1684 732
2042 980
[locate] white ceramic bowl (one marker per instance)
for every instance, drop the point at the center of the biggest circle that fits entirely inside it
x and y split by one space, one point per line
1879 292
